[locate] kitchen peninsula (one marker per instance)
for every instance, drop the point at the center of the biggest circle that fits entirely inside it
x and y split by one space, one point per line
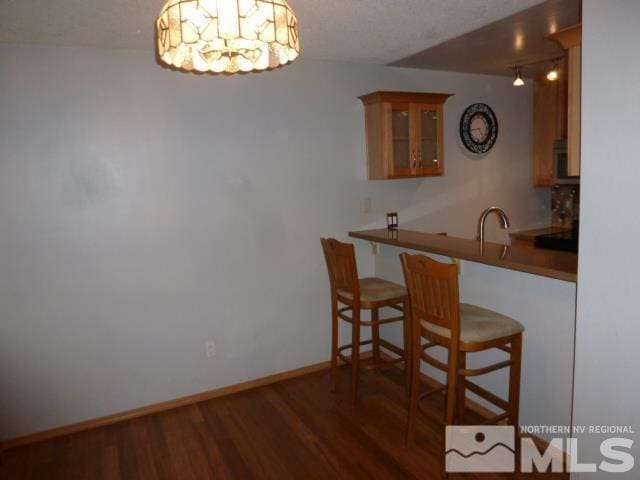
547 263
535 286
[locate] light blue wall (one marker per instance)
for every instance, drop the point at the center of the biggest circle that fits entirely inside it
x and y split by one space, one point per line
145 211
607 390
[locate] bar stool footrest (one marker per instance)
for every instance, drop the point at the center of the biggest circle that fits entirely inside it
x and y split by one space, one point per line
434 362
383 363
346 359
391 347
496 419
487 395
484 370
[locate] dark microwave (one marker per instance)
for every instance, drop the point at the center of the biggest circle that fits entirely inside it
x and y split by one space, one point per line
561 165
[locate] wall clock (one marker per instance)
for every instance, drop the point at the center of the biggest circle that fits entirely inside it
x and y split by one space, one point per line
478 128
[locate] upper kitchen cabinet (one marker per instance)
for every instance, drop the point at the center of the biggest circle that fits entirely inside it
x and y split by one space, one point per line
549 125
557 115
405 134
571 40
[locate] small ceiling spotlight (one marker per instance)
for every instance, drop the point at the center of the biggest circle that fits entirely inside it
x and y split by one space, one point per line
553 74
518 82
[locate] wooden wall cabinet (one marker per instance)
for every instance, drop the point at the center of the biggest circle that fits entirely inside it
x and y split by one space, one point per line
557 110
571 40
549 125
405 134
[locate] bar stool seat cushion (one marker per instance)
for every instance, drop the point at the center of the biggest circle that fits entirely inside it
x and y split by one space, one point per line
374 289
479 324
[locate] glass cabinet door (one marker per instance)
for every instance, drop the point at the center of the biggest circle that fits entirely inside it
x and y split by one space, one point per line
400 141
405 133
429 125
429 150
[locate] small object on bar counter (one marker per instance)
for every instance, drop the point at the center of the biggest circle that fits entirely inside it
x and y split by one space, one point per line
563 241
392 221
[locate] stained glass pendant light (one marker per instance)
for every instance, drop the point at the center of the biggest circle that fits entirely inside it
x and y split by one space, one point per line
227 35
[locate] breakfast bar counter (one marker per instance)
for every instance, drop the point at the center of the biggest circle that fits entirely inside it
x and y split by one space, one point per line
537 287
546 263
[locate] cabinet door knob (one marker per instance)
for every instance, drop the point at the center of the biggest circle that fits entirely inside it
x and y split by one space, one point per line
420 157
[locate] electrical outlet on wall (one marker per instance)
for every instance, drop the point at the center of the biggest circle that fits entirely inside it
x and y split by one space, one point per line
210 347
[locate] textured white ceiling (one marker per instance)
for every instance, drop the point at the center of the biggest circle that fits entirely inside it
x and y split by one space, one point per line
361 31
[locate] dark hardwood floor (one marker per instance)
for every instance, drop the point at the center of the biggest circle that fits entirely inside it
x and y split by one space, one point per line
296 429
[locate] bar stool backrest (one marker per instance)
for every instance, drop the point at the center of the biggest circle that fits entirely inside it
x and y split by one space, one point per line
342 267
433 293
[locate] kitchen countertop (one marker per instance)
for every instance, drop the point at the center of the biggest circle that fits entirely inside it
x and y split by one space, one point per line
532 234
546 263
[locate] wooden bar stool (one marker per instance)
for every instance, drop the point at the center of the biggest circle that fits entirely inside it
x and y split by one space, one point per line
440 318
355 294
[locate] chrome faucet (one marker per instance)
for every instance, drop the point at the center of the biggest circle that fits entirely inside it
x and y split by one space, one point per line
504 220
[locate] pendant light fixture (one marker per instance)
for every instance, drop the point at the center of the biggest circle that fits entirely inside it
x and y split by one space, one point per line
519 81
227 35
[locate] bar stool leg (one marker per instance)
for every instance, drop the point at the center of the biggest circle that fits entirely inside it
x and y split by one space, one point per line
514 392
462 391
452 385
452 401
355 356
375 335
414 385
334 344
408 352
514 381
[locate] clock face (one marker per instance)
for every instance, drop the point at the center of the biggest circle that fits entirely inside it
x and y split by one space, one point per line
478 128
